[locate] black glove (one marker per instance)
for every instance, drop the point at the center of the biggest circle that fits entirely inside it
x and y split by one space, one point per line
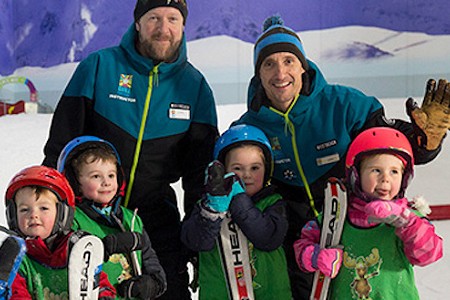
12 251
142 287
432 120
122 242
214 184
220 187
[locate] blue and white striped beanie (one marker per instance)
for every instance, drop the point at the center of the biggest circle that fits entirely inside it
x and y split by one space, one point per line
277 38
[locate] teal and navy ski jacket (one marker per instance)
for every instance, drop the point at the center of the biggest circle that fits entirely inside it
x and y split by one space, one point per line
107 97
311 139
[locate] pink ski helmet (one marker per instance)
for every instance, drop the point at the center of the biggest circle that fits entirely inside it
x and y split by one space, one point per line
374 141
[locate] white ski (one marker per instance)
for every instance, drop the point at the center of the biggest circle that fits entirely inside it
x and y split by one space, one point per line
334 212
233 248
85 265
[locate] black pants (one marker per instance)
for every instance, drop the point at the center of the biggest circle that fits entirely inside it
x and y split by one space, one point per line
175 266
301 283
173 256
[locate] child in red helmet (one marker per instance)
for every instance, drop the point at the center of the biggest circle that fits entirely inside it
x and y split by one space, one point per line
40 208
384 235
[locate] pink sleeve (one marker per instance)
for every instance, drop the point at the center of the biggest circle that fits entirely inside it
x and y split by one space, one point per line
422 245
310 235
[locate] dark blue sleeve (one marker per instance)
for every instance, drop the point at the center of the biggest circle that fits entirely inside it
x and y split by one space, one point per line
151 264
267 229
198 232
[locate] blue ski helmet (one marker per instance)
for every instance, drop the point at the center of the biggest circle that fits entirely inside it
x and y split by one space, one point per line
77 146
69 150
245 134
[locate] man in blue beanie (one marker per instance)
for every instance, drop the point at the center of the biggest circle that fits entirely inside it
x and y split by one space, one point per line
310 124
159 112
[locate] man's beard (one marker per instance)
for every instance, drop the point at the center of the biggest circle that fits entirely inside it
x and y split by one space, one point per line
151 50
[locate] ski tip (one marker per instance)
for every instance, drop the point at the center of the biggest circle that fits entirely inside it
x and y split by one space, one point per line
335 180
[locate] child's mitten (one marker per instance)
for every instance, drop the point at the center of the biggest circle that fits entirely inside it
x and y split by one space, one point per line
389 212
221 187
141 287
328 260
122 242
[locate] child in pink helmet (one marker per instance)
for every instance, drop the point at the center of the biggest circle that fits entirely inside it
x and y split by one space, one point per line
384 234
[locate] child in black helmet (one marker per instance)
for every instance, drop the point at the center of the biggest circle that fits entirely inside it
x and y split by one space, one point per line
239 199
92 166
40 208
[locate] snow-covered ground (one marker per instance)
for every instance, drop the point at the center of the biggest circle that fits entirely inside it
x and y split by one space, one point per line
23 137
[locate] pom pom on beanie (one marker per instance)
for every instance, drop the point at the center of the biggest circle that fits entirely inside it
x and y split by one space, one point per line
277 38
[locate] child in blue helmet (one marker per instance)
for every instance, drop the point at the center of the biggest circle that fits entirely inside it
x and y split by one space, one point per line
92 166
240 197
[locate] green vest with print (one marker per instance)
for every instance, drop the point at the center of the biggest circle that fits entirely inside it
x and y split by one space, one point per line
270 277
374 267
44 282
117 267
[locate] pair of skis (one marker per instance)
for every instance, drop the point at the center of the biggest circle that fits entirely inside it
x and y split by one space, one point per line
334 212
233 246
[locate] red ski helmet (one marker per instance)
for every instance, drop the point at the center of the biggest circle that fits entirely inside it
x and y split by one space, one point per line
378 140
48 178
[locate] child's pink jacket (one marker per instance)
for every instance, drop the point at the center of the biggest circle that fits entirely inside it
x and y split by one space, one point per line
422 246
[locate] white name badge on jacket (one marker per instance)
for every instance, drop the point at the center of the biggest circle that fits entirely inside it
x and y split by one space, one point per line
179 111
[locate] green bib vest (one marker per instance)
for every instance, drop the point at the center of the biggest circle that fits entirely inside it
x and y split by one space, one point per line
374 267
269 270
45 282
117 267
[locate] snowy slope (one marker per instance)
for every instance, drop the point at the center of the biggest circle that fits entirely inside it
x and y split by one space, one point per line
380 62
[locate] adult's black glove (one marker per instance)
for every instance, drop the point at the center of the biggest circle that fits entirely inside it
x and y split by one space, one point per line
432 120
142 287
122 242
